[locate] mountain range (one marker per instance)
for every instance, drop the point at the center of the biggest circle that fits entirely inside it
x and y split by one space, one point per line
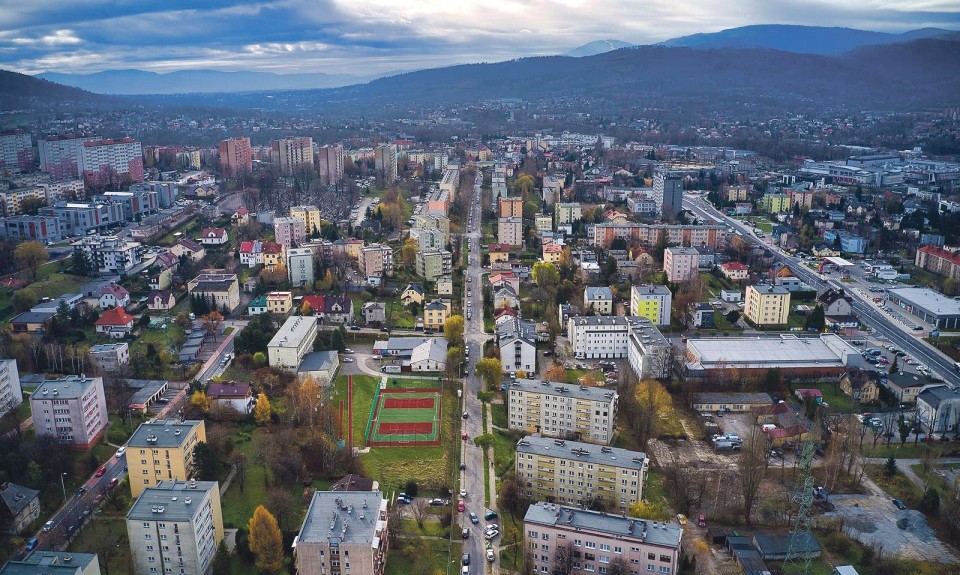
18 90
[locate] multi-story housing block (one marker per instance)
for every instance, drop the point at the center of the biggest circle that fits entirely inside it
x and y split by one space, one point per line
450 182
293 341
110 356
562 410
330 164
596 539
653 302
942 262
77 218
767 305
300 266
23 228
110 163
385 162
60 155
668 195
292 154
166 192
11 394
647 234
16 152
343 528
376 260
175 527
43 562
648 352
567 213
289 231
222 291
511 208
681 264
428 238
517 339
72 410
601 337
162 451
14 199
599 299
432 264
580 474
110 254
236 157
310 216
137 202
435 221
510 231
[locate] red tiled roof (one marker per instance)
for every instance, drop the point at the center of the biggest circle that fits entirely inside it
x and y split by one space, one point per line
246 248
315 301
498 248
942 253
115 316
734 266
271 248
213 232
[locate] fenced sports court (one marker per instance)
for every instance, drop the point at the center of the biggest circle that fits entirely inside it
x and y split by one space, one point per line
405 417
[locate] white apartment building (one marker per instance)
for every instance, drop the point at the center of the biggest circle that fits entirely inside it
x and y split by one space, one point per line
300 266
293 341
11 394
330 164
450 182
567 213
510 231
648 352
576 473
175 528
289 231
562 410
653 302
76 218
16 152
72 410
110 161
681 264
517 339
599 337
428 238
385 162
290 154
343 532
110 254
60 155
597 540
435 221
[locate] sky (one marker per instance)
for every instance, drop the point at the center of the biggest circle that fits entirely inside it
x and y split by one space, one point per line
366 37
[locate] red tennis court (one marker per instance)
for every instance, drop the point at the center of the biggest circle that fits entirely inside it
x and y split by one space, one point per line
408 402
405 428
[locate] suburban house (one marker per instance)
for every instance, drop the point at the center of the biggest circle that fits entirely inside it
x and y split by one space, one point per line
113 295
160 278
861 385
435 314
21 507
413 293
506 297
552 253
279 302
257 305
221 290
272 254
735 271
702 314
938 409
501 279
237 396
498 252
315 302
906 386
189 249
240 217
250 253
337 309
444 285
837 308
599 299
115 323
373 312
161 300
30 322
214 237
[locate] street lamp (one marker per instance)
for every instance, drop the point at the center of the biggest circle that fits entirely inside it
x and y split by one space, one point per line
64 488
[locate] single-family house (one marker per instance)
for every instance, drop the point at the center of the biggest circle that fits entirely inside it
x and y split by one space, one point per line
435 314
413 293
161 300
373 312
250 253
213 237
20 508
861 385
837 308
811 393
500 279
232 395
506 297
240 217
315 302
257 305
735 271
337 309
599 299
552 253
30 322
113 295
279 302
115 323
272 254
906 386
498 252
702 314
444 285
189 249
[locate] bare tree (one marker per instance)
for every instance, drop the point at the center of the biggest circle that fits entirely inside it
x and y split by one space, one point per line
419 509
753 469
563 560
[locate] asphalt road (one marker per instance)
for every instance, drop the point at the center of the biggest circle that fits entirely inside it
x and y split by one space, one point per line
885 328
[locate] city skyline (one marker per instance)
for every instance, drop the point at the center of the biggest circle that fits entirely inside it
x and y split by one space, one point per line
296 36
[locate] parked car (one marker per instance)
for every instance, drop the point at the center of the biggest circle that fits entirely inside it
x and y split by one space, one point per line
900 505
474 519
681 519
348 360
31 543
48 526
121 451
465 559
461 506
491 557
465 533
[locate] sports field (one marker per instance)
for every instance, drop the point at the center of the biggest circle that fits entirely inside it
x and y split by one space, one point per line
405 417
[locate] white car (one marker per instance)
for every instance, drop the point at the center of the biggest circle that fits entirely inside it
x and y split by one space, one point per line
463 493
121 451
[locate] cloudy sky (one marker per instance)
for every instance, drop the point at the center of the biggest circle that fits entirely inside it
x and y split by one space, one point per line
373 36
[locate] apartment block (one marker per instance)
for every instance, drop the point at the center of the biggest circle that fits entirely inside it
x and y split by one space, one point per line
300 266
435 221
668 195
432 264
23 228
649 354
166 192
562 410
137 202
60 155
450 182
110 357
428 238
14 199
599 337
436 313
11 394
77 218
376 260
16 152
175 528
330 164
162 451
292 154
236 157
343 532
510 231
289 231
221 290
72 410
596 540
653 302
681 264
310 216
511 207
293 341
567 213
647 234
385 162
106 163
580 474
767 305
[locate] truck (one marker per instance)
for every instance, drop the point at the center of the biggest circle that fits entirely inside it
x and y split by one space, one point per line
391 369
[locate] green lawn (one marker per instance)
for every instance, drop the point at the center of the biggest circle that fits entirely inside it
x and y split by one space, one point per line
574 375
419 556
168 339
50 283
898 486
107 537
364 387
498 411
831 394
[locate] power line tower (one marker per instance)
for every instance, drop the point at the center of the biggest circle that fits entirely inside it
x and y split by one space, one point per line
798 558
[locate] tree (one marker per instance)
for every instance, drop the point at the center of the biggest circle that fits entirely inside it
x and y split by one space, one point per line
894 366
753 469
305 400
205 462
555 373
652 402
411 488
453 330
200 401
30 256
266 541
212 322
259 359
545 275
733 316
652 511
420 509
80 263
890 467
816 319
24 299
408 253
262 410
221 561
306 308
563 560
510 497
490 370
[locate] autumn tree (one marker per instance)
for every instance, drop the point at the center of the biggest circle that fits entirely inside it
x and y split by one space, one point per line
453 330
24 299
212 322
200 401
408 253
265 539
30 256
305 399
306 308
545 275
262 410
490 370
652 402
555 373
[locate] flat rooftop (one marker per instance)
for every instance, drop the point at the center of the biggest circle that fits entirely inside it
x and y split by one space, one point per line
601 455
42 562
786 351
178 500
575 519
343 517
933 302
70 387
162 434
562 389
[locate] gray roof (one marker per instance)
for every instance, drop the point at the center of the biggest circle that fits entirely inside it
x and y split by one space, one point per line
932 302
906 380
679 250
402 344
42 562
605 320
17 497
779 543
434 349
564 389
644 330
105 347
574 519
786 351
768 289
516 328
591 293
612 456
746 398
650 289
292 332
33 317
164 431
180 501
934 396
146 388
69 387
318 361
344 516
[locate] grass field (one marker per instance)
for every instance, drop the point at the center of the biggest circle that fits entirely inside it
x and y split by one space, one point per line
107 537
831 394
50 283
421 556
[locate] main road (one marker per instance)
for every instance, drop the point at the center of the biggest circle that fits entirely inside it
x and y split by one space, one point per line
863 308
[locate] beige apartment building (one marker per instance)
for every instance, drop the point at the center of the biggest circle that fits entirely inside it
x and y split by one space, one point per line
376 260
222 291
510 231
291 154
289 231
162 451
309 215
435 314
562 410
767 305
598 540
344 532
576 473
511 207
681 264
175 528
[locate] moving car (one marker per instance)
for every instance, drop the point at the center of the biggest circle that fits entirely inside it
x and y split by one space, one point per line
121 451
900 505
48 526
101 471
31 543
473 518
